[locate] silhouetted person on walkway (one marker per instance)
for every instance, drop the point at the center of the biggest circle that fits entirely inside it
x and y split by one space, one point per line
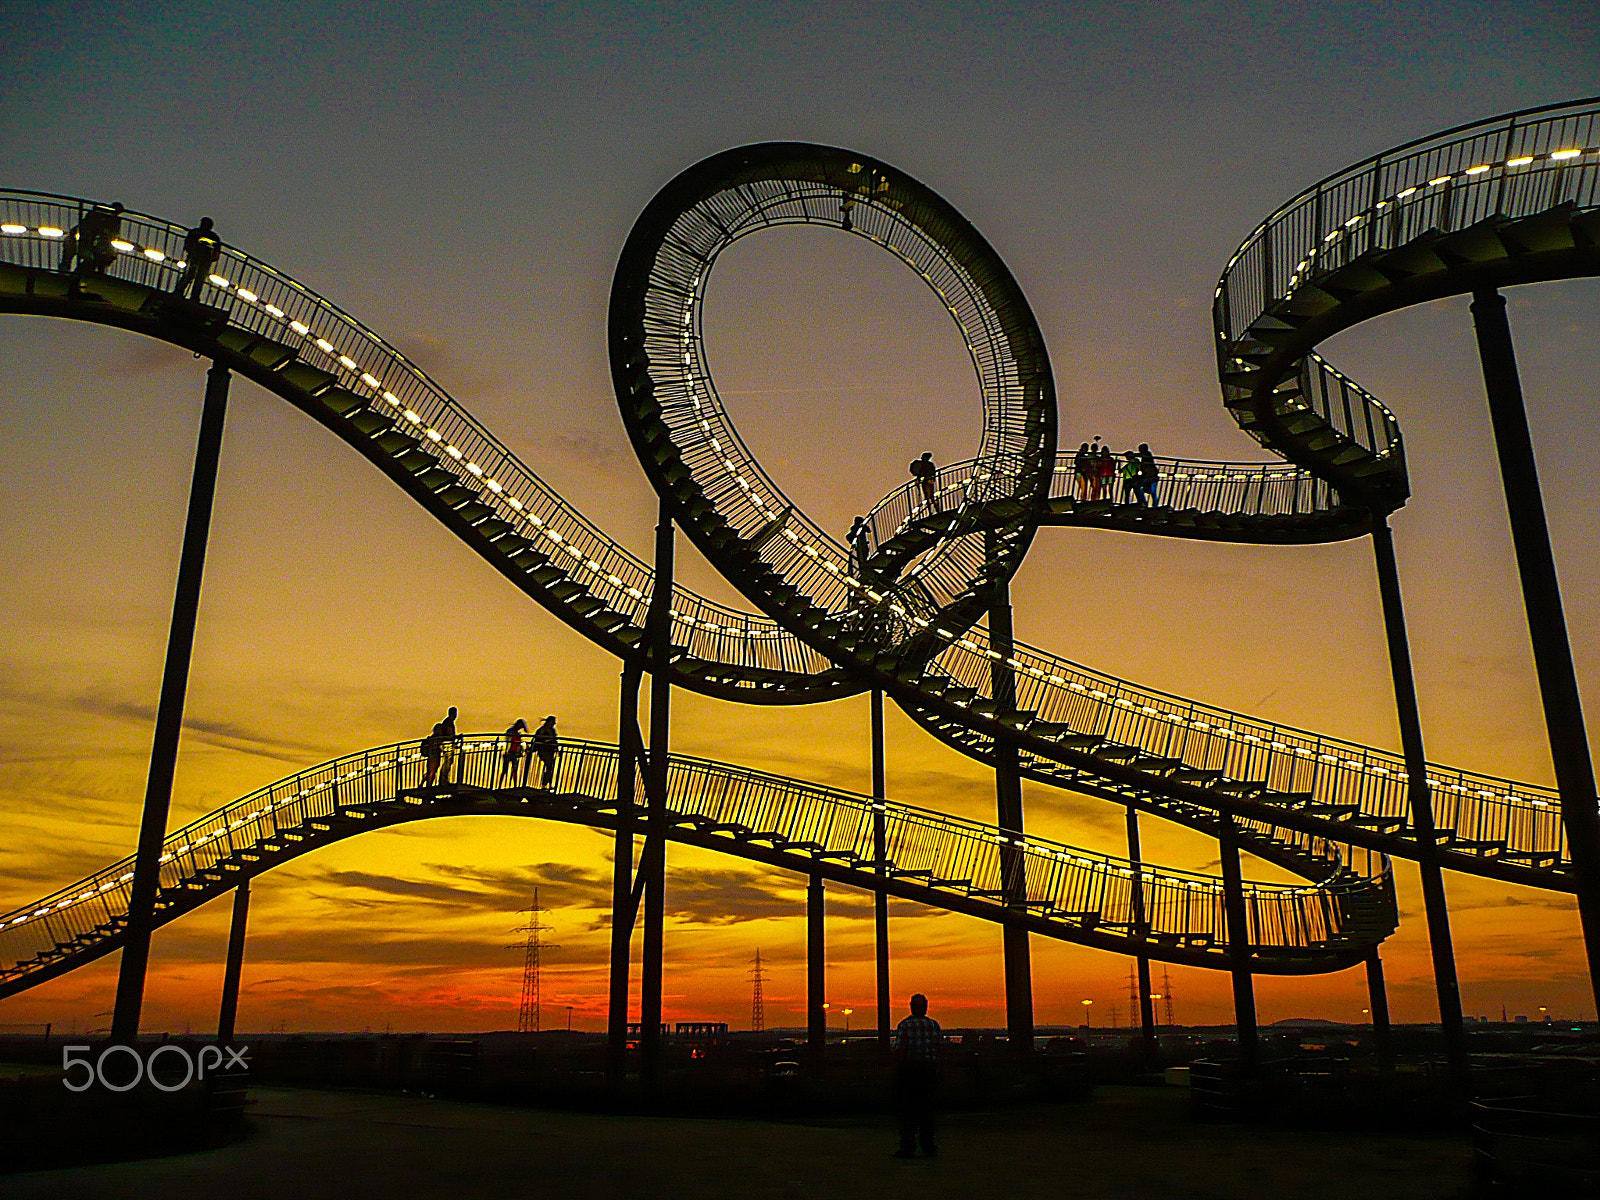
1105 471
432 752
201 249
860 547
513 753
1132 491
925 473
447 749
1149 474
546 745
917 1041
88 245
1082 471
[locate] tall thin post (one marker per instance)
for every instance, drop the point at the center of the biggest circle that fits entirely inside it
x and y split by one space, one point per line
1147 1008
653 862
1008 796
169 713
880 852
1420 797
1547 625
622 910
1244 994
1378 1005
816 971
230 975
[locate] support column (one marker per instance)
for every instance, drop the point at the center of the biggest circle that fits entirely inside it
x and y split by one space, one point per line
1420 798
1378 1005
880 852
1147 1008
1008 795
169 714
816 972
622 906
1552 652
230 975
1244 993
653 862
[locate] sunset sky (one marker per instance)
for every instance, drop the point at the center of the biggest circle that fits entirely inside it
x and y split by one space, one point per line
461 179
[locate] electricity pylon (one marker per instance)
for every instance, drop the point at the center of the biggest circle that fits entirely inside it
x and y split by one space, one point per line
758 1008
529 1011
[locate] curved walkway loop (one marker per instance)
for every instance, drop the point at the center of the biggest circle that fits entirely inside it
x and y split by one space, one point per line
909 618
1073 895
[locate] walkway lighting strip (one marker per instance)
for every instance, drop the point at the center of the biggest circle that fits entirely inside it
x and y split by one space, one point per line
1301 271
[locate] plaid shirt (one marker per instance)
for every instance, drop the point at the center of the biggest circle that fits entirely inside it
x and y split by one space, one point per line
916 1039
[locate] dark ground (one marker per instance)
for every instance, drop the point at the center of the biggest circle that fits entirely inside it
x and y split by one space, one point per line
1127 1143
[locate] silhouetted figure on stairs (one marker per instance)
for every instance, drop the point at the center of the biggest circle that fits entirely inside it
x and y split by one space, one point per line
860 547
88 245
448 747
925 473
1149 474
513 753
201 249
546 745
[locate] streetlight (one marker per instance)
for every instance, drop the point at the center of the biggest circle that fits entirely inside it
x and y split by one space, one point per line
1155 1018
569 1018
847 1013
1544 1014
1087 1023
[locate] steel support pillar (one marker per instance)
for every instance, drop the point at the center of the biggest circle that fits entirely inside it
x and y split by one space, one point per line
1147 1008
880 852
1420 798
1547 625
1244 992
169 714
1378 1005
1008 795
622 908
230 975
816 972
653 861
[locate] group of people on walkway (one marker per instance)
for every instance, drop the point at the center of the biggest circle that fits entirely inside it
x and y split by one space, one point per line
442 749
1096 471
88 249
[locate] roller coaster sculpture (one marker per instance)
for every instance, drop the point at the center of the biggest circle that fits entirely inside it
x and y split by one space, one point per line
924 617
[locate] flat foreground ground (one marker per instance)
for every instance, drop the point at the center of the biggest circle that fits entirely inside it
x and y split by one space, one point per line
1126 1143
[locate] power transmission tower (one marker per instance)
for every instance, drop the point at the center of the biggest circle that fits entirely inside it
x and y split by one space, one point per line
1166 993
758 1008
1133 997
533 948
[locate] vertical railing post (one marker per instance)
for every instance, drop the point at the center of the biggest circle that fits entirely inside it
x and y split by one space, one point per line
1547 625
229 1008
816 972
1378 1004
1420 797
1008 795
654 859
169 713
1244 995
622 909
880 854
1141 930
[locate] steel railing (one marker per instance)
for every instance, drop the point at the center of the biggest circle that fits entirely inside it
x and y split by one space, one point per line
1509 166
1077 886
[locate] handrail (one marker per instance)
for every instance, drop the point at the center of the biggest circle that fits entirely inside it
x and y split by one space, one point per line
920 842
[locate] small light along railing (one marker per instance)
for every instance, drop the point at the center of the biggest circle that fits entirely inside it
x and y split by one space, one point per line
1510 166
34 229
974 858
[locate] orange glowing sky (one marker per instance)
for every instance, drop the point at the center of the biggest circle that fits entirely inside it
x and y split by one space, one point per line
464 188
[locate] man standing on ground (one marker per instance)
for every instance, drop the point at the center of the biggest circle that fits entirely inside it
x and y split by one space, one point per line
916 1078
